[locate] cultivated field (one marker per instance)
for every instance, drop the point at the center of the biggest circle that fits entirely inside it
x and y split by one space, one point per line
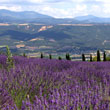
44 84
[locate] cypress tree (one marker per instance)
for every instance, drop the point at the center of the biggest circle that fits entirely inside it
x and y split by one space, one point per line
90 57
24 55
68 56
50 56
104 56
9 61
83 57
41 56
59 58
98 55
8 52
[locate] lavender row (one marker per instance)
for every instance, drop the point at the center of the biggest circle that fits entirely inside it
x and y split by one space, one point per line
44 84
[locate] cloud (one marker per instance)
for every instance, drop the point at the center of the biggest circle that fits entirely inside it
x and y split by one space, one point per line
62 13
103 1
12 8
60 8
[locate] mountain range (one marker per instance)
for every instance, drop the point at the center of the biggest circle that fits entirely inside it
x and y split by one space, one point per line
32 32
92 19
7 16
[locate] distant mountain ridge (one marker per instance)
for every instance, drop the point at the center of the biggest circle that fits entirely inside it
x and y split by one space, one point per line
7 16
87 17
92 19
22 15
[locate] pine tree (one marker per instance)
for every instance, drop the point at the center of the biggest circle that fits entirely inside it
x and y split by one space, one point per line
50 56
90 57
41 55
98 55
83 57
59 58
104 56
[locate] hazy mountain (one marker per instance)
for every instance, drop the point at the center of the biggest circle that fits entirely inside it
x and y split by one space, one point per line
83 18
92 19
7 16
22 15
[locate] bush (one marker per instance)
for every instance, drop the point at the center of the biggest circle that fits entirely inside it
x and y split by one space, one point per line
107 58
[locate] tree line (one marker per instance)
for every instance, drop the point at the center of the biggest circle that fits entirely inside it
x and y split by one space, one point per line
96 58
67 56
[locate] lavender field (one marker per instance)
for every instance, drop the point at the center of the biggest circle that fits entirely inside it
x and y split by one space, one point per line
44 84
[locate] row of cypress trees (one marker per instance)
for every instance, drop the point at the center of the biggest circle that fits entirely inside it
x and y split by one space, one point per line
98 57
67 56
50 56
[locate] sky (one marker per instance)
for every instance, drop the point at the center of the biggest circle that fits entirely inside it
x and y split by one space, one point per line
60 8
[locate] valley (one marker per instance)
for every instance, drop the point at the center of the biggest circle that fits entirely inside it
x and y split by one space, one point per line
55 39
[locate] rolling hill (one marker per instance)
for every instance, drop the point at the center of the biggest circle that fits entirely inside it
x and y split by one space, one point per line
57 39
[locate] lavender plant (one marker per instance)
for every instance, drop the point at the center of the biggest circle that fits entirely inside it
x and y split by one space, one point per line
44 84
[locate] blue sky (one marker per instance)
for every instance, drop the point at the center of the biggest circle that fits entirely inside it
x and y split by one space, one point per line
60 8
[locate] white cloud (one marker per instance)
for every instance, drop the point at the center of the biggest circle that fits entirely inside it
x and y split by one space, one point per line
81 7
62 13
35 1
104 1
55 12
60 8
12 8
107 8
4 0
77 1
